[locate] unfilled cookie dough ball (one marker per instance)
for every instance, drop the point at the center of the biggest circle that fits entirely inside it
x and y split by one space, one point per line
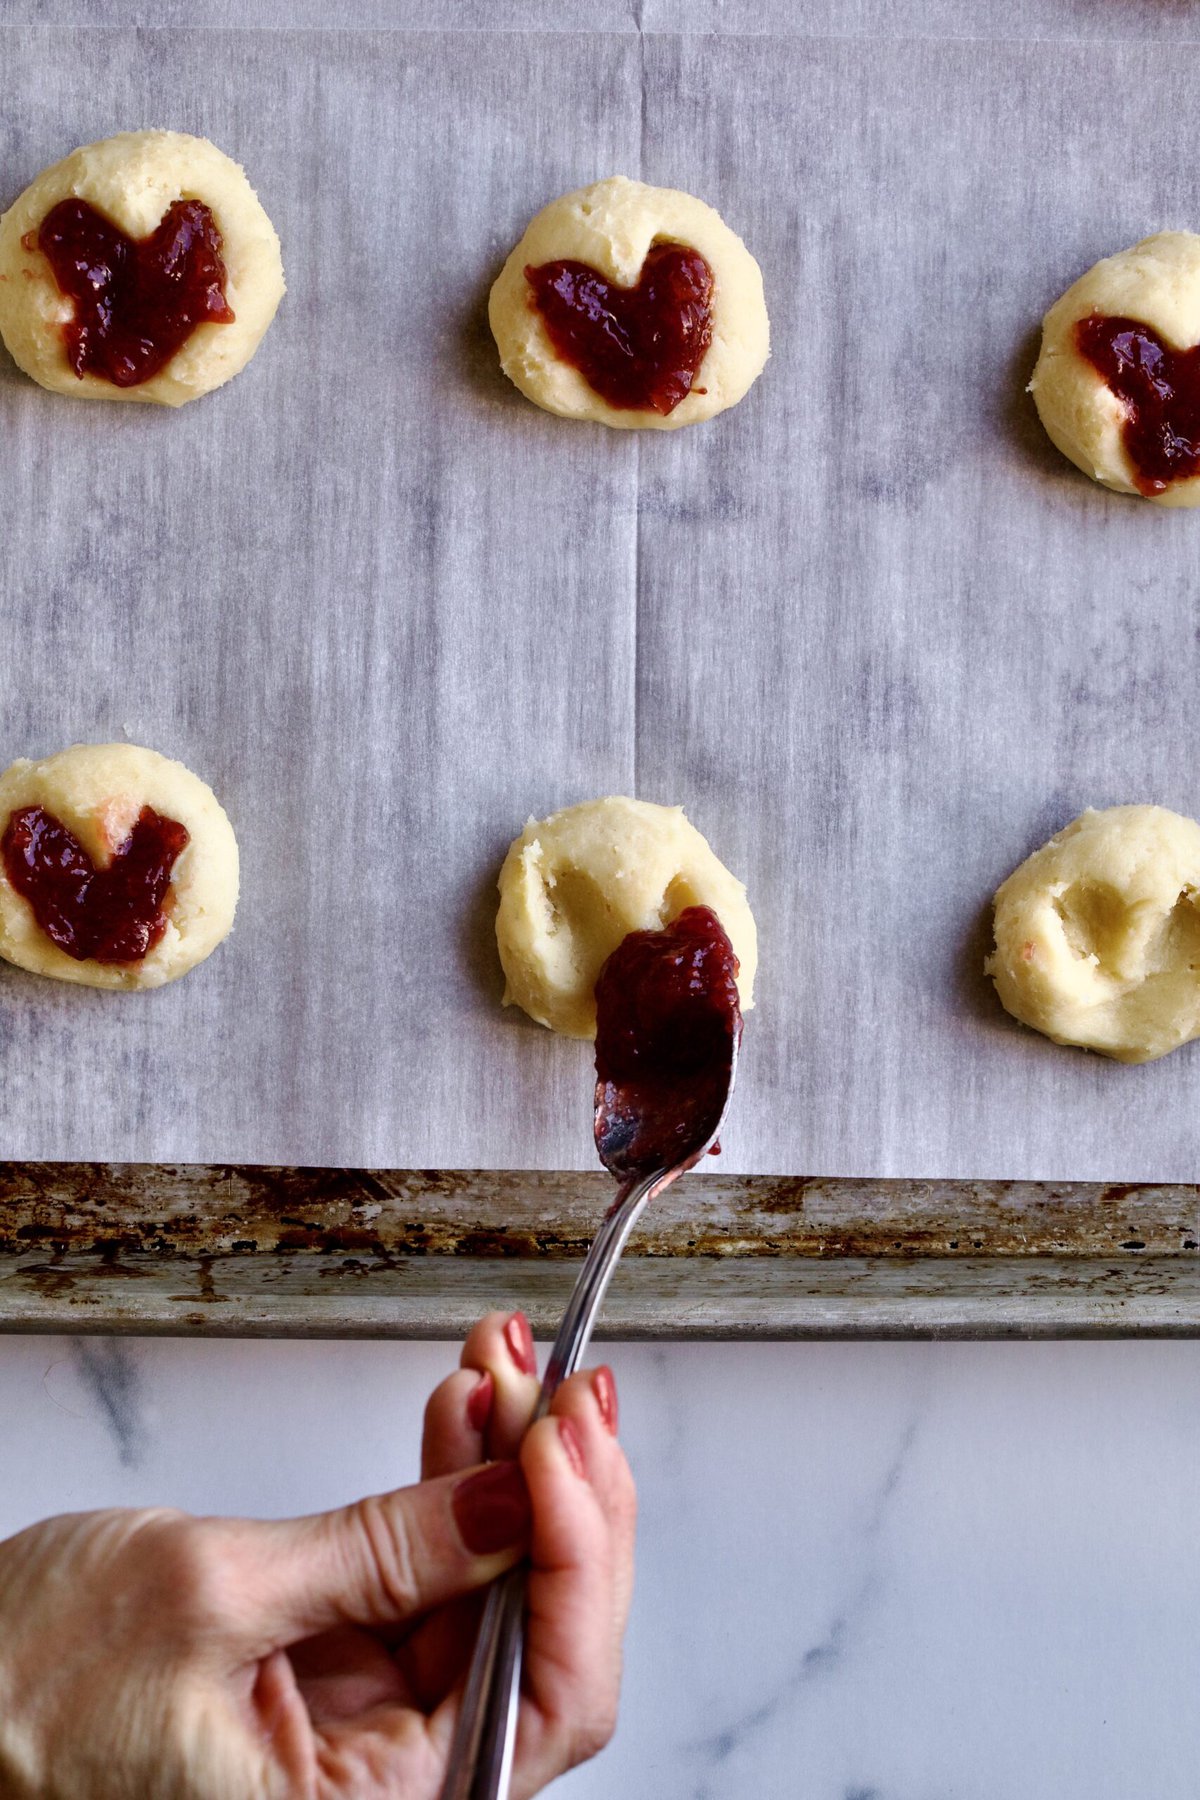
630 305
575 884
189 268
118 867
1098 934
1117 383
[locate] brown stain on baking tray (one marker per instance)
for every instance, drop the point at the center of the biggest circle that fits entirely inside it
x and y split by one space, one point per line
120 1216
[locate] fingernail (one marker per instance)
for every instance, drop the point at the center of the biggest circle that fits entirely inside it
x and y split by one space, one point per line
573 1446
606 1395
479 1402
519 1339
491 1509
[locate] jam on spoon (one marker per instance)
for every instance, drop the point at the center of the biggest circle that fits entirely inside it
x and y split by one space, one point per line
109 915
1160 390
668 1025
137 300
638 347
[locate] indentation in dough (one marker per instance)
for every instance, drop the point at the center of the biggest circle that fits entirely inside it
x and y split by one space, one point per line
680 894
577 903
1096 923
117 817
1176 946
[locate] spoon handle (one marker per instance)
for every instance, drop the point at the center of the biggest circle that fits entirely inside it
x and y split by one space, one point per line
587 1296
481 1756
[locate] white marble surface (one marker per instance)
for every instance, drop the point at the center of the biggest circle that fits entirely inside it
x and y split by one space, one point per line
867 1572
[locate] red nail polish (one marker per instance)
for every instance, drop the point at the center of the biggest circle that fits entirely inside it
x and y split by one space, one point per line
479 1402
605 1389
519 1339
491 1509
573 1446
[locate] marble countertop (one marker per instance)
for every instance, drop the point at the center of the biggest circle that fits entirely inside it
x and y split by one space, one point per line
866 1571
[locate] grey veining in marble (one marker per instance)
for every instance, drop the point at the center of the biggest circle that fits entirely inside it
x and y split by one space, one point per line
108 1370
820 1660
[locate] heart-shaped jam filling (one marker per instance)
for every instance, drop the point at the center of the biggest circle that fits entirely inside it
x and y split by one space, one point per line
137 300
1160 390
109 915
638 347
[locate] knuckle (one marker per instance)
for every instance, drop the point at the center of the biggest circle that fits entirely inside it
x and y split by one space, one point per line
387 1542
593 1734
185 1564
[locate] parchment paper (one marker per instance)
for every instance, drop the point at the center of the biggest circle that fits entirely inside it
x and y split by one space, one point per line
868 627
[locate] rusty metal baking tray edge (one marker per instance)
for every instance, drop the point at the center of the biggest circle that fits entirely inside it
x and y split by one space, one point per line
238 1251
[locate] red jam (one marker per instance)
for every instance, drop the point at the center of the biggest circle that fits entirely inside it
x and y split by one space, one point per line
1160 390
137 300
110 915
640 347
667 1023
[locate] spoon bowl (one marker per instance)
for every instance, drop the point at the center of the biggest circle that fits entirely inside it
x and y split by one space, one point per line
641 1127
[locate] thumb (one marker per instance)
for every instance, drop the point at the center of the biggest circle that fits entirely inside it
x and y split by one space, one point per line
384 1559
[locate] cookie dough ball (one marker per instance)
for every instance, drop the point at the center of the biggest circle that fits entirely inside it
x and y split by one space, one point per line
575 884
611 227
1098 934
1156 283
132 180
98 793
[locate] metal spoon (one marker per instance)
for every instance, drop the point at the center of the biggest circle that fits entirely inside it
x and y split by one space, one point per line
640 1142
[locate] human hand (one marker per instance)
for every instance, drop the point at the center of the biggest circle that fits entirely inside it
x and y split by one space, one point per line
148 1655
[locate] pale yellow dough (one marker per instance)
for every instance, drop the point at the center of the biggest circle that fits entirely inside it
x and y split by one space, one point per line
1098 934
575 884
612 225
133 178
97 791
1157 282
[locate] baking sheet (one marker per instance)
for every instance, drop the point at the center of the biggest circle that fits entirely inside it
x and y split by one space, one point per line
385 1253
868 628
